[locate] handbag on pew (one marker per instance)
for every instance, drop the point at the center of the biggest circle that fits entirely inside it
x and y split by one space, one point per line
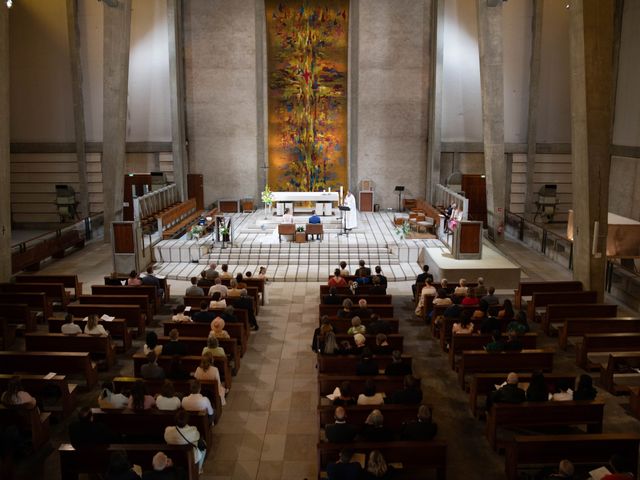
202 444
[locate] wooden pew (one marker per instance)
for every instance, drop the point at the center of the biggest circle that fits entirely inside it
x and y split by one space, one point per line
29 420
69 281
258 283
196 344
576 327
526 289
38 385
117 328
634 401
150 423
148 290
189 362
209 388
19 315
342 325
139 300
97 346
394 415
483 383
328 383
197 329
50 245
540 300
194 302
36 301
371 299
120 280
395 340
620 368
556 313
177 218
602 344
385 311
460 343
542 414
7 332
591 449
445 330
362 290
54 291
346 364
44 362
95 460
130 313
252 291
480 361
415 457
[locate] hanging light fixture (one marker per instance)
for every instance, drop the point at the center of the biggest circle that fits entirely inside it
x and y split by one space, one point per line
9 3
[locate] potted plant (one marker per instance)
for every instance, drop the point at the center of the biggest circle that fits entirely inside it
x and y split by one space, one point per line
224 234
301 236
267 199
403 230
196 231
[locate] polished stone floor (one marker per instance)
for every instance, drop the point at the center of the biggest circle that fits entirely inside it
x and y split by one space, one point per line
269 429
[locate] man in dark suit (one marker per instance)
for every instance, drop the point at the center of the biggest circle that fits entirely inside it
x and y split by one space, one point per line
151 279
367 365
422 278
246 302
340 431
332 298
175 346
363 271
378 325
344 468
84 432
362 311
151 370
397 367
383 279
420 429
204 315
508 393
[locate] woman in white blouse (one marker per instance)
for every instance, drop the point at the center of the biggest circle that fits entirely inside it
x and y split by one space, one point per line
167 398
370 396
94 328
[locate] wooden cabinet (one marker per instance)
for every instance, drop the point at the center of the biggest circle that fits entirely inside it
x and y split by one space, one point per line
366 201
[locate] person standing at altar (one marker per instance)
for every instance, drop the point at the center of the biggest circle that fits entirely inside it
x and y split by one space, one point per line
351 216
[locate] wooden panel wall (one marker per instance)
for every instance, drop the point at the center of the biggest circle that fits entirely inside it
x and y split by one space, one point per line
549 169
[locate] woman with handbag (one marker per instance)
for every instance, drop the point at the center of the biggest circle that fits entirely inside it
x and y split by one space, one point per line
184 434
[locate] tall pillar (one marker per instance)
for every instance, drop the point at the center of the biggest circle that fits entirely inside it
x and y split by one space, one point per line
73 29
117 30
5 160
176 87
434 149
534 95
591 38
492 88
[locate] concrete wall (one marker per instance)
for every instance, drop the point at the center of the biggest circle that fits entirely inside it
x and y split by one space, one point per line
392 96
41 102
220 71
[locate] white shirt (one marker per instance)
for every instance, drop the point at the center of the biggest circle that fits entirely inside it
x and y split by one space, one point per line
197 402
187 434
376 399
351 217
211 374
218 288
157 349
219 304
427 290
181 317
98 330
167 403
287 218
71 329
562 396
113 400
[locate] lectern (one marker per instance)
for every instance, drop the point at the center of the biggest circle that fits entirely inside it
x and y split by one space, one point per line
467 240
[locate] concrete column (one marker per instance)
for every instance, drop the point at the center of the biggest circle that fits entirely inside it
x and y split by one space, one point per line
117 30
591 38
73 30
434 145
176 87
5 159
534 95
262 109
492 88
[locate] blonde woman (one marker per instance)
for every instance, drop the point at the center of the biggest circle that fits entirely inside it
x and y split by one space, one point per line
207 371
217 328
213 347
94 328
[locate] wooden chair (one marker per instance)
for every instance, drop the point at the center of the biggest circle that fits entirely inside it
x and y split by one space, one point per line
316 229
286 229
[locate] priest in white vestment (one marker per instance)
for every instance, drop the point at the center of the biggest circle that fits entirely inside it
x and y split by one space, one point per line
351 217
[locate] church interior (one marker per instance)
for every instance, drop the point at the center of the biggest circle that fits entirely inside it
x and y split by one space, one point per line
253 211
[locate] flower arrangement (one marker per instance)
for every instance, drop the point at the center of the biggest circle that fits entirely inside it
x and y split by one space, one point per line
224 230
300 229
403 230
196 231
267 196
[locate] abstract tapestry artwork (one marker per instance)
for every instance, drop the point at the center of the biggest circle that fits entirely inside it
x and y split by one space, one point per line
307 91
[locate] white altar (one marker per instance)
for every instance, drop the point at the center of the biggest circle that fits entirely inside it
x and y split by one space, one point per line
323 200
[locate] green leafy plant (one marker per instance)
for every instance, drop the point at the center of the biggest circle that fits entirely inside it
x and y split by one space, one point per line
403 230
197 230
267 196
300 229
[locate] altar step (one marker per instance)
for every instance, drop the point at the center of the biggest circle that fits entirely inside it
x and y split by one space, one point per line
285 273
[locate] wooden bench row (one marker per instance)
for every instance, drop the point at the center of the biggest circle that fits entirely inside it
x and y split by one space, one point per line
67 363
177 218
189 362
384 311
346 364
